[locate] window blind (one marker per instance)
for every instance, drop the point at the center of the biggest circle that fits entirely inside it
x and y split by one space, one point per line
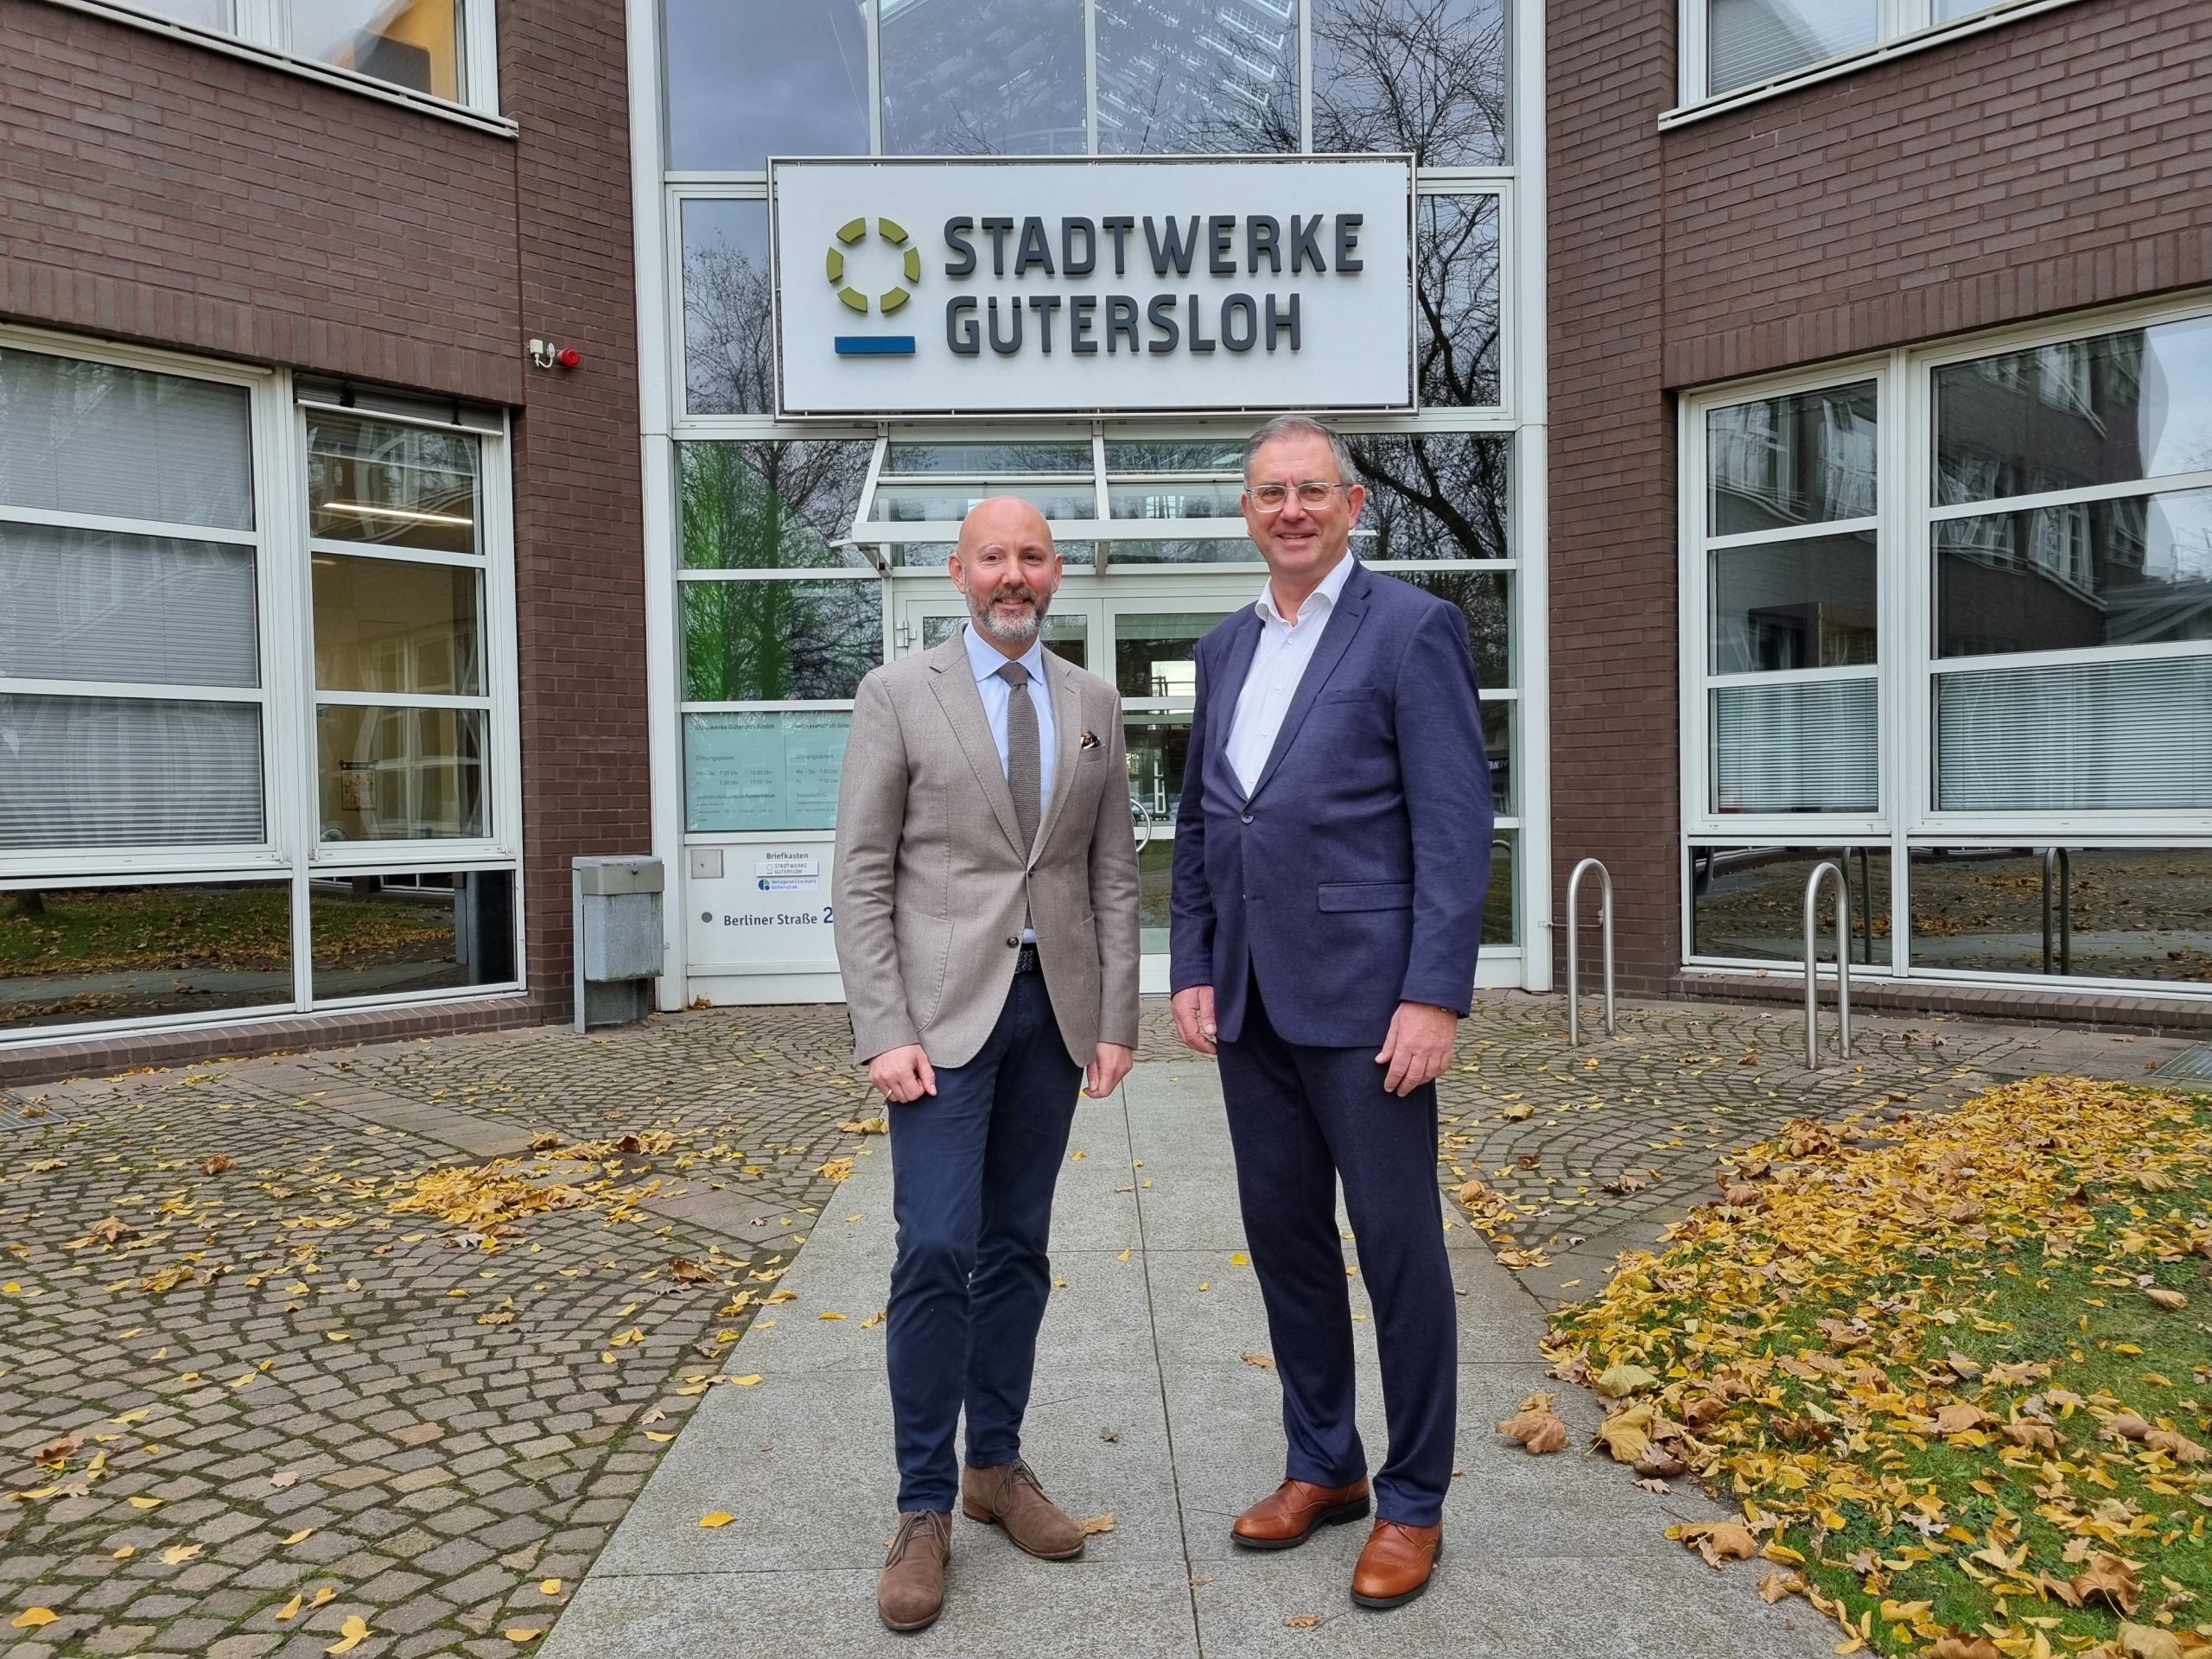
1753 40
1802 746
2092 737
89 605
127 771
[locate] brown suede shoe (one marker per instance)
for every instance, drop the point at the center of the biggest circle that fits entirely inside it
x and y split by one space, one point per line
1397 1563
1009 1496
910 1592
1288 1516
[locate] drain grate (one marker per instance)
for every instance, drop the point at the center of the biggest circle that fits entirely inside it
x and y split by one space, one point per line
17 1113
2190 1069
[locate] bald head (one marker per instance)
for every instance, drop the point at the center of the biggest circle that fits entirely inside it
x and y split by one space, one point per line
1006 568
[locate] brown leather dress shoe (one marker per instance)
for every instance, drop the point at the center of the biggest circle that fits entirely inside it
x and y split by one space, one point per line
910 1592
1287 1517
1396 1565
1008 1495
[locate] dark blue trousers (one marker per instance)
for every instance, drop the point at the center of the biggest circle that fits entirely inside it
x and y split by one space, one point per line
972 1171
1298 1118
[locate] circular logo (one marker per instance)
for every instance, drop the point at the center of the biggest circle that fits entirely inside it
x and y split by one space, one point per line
892 298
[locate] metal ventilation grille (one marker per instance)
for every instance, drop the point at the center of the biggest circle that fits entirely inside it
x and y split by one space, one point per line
17 1113
2190 1069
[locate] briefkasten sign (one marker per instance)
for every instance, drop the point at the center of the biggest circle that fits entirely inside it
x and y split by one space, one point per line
1034 287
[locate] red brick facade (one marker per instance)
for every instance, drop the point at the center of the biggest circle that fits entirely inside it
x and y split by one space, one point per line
2054 163
163 193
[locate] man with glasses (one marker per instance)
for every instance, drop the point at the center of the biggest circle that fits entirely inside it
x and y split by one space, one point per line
1331 858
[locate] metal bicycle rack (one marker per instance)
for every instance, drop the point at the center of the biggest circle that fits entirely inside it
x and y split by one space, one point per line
2057 861
1821 871
1573 936
1142 814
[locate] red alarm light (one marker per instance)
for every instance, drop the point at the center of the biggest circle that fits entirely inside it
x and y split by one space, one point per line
567 356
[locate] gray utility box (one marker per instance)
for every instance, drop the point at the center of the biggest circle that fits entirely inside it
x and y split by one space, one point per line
618 938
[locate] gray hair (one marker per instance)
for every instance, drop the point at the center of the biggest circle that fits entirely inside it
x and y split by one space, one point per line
1303 425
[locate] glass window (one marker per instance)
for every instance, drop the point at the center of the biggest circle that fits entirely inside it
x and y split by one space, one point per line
1184 77
1748 903
982 77
1151 651
907 460
729 365
1427 76
381 625
99 605
128 771
1166 499
386 935
1434 496
389 774
1233 550
2107 410
1797 746
78 436
1199 455
900 503
1485 598
74 955
1497 741
931 556
2111 736
1807 458
749 77
2138 913
1155 888
1456 324
785 505
1501 911
779 641
1752 41
763 769
377 481
2132 571
201 14
1806 603
1159 746
411 44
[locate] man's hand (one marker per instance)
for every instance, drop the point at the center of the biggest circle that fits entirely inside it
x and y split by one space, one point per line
1193 1009
1419 1046
903 1074
1107 1070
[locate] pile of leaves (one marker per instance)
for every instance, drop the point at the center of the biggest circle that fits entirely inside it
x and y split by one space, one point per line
1955 1369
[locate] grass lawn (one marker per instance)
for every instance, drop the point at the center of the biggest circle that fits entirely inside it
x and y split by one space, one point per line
1956 1369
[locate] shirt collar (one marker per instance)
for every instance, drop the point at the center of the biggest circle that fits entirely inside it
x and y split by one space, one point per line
1329 592
986 658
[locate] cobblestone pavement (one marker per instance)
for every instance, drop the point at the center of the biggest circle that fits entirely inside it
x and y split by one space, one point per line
300 1405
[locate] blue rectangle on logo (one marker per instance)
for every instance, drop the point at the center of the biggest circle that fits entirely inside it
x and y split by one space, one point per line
875 344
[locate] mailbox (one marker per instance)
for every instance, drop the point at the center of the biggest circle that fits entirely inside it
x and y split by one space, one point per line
619 948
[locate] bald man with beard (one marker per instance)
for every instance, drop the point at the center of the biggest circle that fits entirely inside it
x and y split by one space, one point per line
987 930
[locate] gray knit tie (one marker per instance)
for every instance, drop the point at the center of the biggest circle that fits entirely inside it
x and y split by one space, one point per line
1024 767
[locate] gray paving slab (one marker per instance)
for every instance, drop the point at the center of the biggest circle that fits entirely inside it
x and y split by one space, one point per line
1145 1408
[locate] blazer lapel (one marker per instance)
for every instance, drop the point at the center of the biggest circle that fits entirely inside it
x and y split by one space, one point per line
1336 640
954 683
1221 708
1067 736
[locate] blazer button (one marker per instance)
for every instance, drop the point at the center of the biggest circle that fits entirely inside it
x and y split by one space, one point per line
1248 817
1014 940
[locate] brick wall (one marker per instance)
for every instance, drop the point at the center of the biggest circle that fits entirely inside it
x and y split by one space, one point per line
157 191
2059 161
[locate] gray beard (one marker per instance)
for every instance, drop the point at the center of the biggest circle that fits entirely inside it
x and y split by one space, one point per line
1012 633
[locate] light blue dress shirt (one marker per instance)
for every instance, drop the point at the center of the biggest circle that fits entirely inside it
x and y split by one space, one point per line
987 659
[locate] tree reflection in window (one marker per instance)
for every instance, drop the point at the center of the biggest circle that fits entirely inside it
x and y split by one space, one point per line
1456 292
1185 77
777 505
1427 76
729 352
1430 496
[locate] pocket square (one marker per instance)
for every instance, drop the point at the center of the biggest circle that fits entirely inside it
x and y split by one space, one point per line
1089 740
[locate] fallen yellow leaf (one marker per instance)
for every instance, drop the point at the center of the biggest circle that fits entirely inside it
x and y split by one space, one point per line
32 1617
548 1587
717 1518
301 1536
178 1554
748 1380
1096 1524
350 1634
288 1610
521 1636
655 1436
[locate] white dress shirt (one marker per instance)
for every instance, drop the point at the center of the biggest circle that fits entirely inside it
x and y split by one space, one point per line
987 659
1278 665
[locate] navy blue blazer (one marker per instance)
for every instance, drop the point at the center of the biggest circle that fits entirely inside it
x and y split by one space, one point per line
1353 877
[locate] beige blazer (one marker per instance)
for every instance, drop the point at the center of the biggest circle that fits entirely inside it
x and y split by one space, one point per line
930 882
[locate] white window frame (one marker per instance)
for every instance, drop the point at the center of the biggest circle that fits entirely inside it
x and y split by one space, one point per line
1908 665
290 850
1904 26
260 31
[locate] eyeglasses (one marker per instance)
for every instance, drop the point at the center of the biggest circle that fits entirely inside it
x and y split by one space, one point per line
1312 495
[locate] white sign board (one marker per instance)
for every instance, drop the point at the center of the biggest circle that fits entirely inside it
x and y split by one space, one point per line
1055 287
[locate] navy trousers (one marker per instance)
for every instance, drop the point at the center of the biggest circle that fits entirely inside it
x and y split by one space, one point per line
1298 1118
972 1171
